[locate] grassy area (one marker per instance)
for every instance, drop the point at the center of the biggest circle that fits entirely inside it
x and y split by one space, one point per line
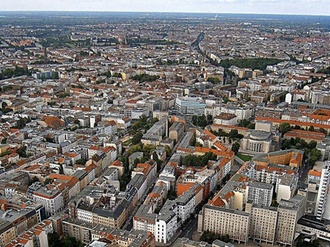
128 142
244 157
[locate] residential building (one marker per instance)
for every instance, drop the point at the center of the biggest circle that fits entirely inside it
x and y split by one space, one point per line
7 232
51 198
263 223
224 221
259 193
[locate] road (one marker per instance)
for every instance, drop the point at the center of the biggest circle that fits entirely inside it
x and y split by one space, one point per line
189 229
303 172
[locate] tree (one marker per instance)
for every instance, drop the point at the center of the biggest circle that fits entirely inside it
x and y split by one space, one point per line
214 79
311 128
209 237
312 144
21 122
137 138
194 119
322 130
168 151
33 180
22 152
81 162
209 119
251 126
171 195
48 181
199 161
54 240
284 128
233 134
243 123
235 147
61 169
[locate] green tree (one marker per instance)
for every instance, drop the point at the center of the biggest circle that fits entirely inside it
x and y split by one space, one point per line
311 128
214 79
22 152
61 169
81 162
33 180
171 195
235 147
209 237
54 240
322 130
48 181
137 138
284 128
209 119
233 134
21 123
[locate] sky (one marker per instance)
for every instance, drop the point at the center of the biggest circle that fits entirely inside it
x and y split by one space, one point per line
304 7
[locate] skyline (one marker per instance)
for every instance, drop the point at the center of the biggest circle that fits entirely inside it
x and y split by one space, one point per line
288 7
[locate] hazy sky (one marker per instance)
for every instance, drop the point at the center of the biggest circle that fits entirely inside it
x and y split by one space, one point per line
307 7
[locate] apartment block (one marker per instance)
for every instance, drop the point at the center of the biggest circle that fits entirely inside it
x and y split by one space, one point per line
224 221
263 223
259 193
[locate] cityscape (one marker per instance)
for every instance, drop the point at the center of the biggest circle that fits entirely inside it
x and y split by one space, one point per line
147 129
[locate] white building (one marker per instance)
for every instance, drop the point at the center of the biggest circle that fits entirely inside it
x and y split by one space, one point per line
322 196
259 193
286 187
50 198
190 106
166 226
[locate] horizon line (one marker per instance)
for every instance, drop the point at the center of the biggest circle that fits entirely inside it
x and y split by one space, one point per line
164 12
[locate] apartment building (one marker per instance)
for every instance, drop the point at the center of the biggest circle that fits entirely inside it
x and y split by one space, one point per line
78 229
224 221
7 232
259 193
51 198
263 223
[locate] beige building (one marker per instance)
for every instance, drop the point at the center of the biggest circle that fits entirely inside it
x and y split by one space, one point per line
257 141
263 223
78 229
176 131
7 232
224 221
286 225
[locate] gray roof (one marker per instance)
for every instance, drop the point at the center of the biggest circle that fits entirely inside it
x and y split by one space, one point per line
227 210
260 185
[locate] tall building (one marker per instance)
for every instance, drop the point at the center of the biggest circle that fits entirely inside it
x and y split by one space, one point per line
322 195
289 212
260 193
286 225
263 223
224 221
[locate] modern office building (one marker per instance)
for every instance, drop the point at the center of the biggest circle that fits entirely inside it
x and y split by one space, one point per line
190 106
